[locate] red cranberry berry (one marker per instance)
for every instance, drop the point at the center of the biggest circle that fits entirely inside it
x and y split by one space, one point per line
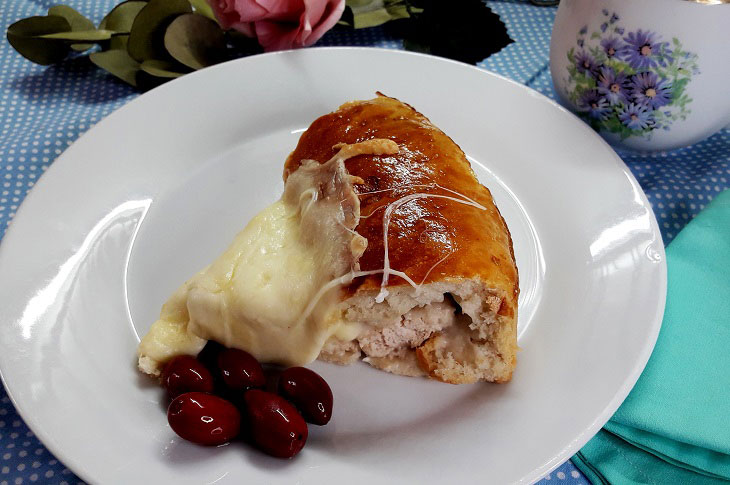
309 392
275 425
203 418
240 370
186 374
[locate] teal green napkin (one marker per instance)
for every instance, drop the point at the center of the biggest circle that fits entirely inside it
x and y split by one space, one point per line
674 427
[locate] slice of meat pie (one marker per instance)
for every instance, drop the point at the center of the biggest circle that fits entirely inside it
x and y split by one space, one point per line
384 245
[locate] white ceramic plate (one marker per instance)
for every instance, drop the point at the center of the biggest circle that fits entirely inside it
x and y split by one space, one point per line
155 191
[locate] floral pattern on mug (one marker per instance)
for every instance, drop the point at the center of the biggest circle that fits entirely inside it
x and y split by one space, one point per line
629 82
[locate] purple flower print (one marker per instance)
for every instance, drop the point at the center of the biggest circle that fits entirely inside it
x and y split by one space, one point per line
611 46
585 63
648 90
629 82
641 49
636 117
592 103
613 86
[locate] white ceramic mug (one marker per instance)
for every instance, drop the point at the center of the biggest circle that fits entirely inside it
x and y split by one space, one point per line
648 75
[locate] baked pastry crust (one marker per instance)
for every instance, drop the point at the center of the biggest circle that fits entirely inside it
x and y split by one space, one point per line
436 241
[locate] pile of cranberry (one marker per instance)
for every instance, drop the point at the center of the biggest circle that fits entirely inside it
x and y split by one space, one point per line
225 393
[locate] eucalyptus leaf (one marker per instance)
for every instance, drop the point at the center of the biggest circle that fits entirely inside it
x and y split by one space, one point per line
161 68
380 16
23 36
202 7
81 47
119 42
362 14
81 35
361 5
120 19
195 41
146 39
76 20
117 62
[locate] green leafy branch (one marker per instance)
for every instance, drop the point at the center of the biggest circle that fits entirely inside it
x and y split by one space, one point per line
361 14
147 42
143 43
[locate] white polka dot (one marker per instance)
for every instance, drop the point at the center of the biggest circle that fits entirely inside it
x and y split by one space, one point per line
560 475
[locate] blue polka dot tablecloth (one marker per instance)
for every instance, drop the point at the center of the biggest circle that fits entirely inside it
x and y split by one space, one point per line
44 109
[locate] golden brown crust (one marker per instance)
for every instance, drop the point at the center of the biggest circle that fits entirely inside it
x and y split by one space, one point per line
475 243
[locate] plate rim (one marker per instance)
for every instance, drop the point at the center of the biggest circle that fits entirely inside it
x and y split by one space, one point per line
560 457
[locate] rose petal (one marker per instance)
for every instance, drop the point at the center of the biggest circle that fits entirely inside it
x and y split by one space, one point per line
250 10
330 16
246 28
274 36
279 24
282 10
224 12
313 12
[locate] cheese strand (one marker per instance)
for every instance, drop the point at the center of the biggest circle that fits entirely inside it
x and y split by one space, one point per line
393 206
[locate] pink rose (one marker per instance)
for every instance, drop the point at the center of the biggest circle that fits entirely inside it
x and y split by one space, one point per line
279 24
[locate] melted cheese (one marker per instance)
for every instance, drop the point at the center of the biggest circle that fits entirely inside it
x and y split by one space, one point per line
253 296
264 294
